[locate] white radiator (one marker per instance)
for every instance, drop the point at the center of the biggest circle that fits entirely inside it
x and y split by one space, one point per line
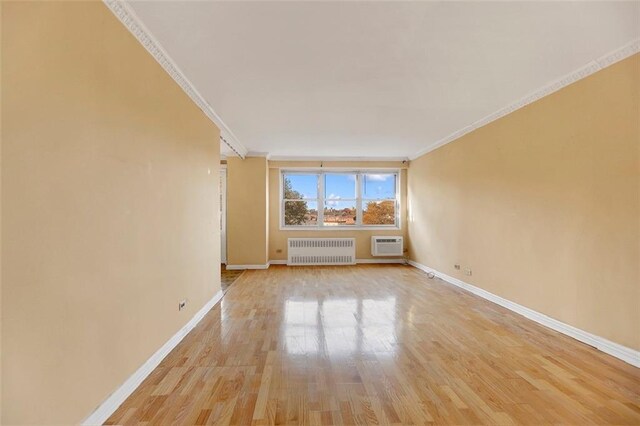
386 246
321 251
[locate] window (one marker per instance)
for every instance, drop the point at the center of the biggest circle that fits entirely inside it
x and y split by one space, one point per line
300 196
379 199
339 199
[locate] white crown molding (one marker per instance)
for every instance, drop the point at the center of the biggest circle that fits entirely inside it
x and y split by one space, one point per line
336 159
111 404
611 58
258 154
617 350
130 20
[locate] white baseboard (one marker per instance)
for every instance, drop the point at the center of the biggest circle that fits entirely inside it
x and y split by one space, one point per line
111 404
239 267
624 353
284 262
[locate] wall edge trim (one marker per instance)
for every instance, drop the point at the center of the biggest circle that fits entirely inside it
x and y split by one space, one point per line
113 401
240 267
336 158
358 261
127 16
617 55
624 353
380 261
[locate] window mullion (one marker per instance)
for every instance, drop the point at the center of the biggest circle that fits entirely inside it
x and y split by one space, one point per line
359 181
320 188
396 219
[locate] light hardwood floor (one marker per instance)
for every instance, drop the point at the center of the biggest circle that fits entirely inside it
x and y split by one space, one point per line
228 277
376 344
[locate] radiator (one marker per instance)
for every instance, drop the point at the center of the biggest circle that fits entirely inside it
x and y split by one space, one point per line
321 251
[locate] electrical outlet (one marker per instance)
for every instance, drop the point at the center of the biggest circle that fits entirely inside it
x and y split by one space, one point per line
182 304
467 271
456 266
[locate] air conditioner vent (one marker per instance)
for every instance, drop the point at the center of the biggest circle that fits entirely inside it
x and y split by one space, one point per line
386 246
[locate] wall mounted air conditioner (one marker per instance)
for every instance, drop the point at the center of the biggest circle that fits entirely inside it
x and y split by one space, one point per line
386 246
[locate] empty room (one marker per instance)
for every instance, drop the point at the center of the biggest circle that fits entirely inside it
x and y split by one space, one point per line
319 212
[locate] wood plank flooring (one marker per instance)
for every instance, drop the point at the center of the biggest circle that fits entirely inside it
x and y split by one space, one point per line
374 344
228 277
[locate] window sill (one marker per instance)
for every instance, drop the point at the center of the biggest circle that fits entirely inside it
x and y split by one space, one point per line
339 228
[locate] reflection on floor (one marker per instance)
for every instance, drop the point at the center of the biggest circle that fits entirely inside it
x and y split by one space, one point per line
376 344
228 277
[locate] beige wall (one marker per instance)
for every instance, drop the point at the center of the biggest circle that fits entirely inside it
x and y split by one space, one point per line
110 209
544 206
278 238
0 214
247 213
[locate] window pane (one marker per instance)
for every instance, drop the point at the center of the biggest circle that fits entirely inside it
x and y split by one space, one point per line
337 213
379 213
300 213
339 186
379 186
297 186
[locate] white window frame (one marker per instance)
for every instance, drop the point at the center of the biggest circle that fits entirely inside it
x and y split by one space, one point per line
321 199
283 200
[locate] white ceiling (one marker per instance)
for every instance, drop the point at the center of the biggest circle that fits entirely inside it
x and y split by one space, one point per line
375 79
